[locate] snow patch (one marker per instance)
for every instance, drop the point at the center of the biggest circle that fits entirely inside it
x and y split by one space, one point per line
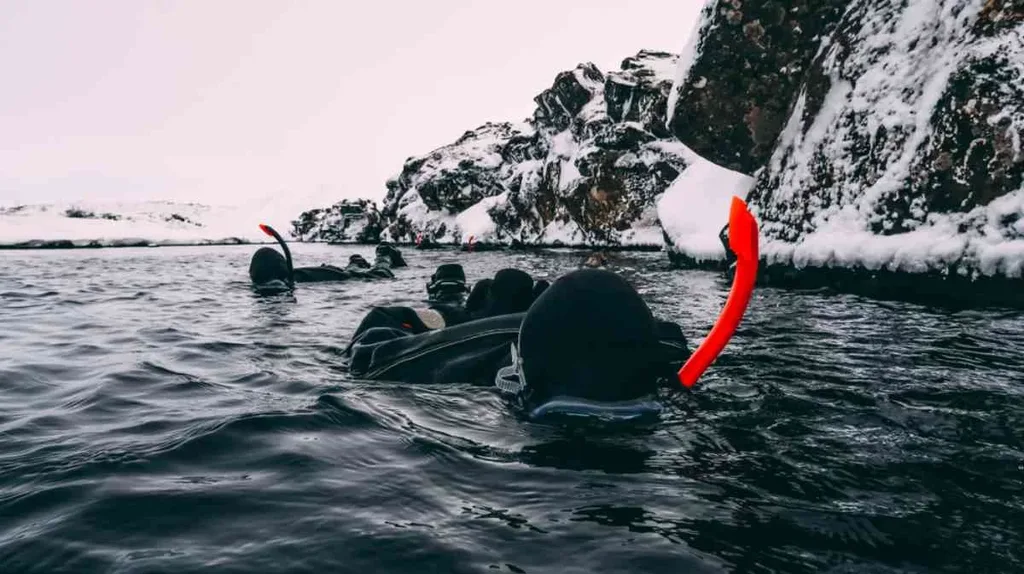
695 207
155 222
889 76
963 243
476 222
562 232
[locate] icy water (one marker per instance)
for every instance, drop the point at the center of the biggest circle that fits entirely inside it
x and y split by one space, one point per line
157 416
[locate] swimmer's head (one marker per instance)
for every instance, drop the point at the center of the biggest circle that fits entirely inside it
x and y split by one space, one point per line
389 251
511 291
447 284
358 261
477 299
589 338
268 270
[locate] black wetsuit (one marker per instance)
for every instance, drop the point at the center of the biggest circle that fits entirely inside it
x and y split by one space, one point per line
393 344
359 269
510 291
271 272
587 343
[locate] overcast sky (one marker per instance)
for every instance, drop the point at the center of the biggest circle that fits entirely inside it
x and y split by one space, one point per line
224 101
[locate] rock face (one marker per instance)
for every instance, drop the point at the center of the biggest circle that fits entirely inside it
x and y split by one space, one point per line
585 169
348 221
881 134
744 66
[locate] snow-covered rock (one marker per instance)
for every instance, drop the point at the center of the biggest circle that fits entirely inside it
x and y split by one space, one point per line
348 221
881 134
587 168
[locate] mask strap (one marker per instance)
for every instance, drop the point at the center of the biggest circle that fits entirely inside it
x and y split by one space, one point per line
510 379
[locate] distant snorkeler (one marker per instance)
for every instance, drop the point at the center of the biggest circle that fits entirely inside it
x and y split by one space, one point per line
585 346
271 272
450 302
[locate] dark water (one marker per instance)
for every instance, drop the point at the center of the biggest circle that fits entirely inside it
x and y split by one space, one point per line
156 416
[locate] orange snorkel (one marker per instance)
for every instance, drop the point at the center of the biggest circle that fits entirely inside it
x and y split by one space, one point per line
743 243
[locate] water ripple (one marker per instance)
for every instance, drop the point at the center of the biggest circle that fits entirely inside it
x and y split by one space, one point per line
159 416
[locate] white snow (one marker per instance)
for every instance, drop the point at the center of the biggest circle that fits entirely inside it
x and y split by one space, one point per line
156 222
938 244
421 217
475 222
920 49
596 109
975 242
482 147
646 231
695 207
565 232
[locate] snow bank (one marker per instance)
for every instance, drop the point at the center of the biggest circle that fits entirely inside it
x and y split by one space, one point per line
477 223
153 222
974 243
979 242
695 207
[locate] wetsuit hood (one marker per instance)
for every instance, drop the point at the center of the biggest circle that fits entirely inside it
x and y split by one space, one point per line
447 284
511 291
268 270
477 299
590 336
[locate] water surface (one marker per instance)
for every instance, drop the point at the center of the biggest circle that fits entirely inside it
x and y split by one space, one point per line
157 416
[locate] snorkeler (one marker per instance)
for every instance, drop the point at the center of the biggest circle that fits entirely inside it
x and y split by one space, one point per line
587 346
509 291
588 343
272 272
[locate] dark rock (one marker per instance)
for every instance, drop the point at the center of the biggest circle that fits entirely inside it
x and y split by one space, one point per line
76 213
177 217
558 106
348 221
751 61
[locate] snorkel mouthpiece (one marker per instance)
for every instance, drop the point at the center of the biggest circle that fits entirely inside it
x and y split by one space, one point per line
743 242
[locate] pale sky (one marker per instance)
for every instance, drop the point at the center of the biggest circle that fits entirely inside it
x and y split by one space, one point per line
222 101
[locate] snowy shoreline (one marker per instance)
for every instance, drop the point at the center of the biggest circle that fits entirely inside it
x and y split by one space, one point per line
119 243
925 287
45 244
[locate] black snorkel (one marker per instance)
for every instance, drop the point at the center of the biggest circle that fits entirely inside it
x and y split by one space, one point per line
284 247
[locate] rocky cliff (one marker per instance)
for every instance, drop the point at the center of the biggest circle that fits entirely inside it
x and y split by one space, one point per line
585 169
348 221
877 134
